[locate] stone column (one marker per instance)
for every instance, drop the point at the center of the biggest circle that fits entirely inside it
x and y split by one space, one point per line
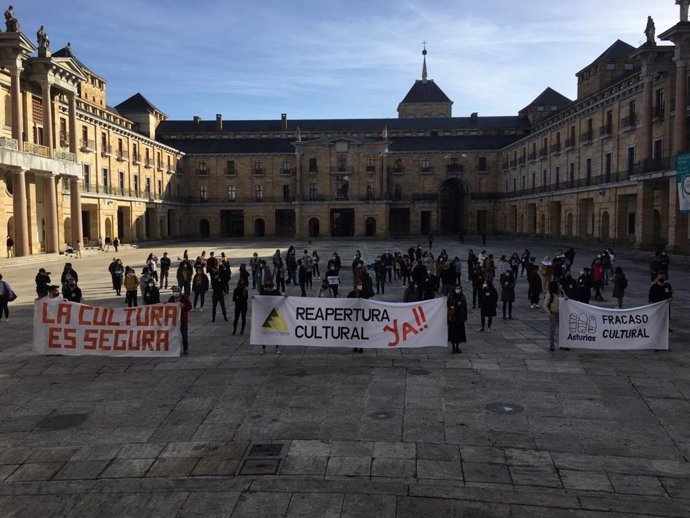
647 118
644 216
19 211
679 129
50 214
72 99
75 211
16 100
47 116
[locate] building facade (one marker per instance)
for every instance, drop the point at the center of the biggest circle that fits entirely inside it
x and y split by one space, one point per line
599 169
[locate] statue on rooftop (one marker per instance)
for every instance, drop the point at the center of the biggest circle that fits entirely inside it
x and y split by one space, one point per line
298 134
11 22
650 31
42 37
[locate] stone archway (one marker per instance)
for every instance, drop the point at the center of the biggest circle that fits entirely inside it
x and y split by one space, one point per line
604 231
453 206
314 227
370 227
109 227
259 227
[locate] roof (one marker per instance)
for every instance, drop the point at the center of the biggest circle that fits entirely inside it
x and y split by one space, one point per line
619 50
549 97
189 127
137 103
425 91
285 145
66 52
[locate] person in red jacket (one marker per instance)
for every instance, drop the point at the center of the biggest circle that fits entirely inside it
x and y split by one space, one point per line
183 300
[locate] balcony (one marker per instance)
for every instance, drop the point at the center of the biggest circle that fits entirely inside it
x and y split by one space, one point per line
629 123
87 146
658 114
230 171
36 149
569 143
258 171
148 163
427 170
9 143
371 169
653 165
532 156
122 155
136 159
287 172
65 155
586 138
513 163
521 160
202 171
542 152
106 150
313 170
159 167
64 139
556 148
396 169
606 131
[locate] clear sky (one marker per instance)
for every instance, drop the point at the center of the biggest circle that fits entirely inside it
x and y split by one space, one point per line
324 59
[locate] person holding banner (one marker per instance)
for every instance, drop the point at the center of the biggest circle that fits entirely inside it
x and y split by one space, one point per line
357 293
457 316
71 291
152 294
6 295
186 305
274 292
552 306
661 290
325 291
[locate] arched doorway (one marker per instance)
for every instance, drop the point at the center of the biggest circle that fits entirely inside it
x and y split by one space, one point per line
453 206
314 227
542 224
370 227
569 224
67 229
604 231
109 227
204 228
259 227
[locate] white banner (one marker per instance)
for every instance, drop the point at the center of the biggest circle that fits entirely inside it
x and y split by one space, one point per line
343 322
73 329
590 327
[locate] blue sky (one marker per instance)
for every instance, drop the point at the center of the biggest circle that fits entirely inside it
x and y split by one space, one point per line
312 59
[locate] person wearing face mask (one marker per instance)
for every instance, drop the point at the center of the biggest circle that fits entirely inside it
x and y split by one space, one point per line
178 298
488 301
218 295
71 291
584 286
457 316
508 293
152 294
131 286
325 291
357 293
661 290
240 296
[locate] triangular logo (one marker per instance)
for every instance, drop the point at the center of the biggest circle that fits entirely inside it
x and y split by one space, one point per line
275 321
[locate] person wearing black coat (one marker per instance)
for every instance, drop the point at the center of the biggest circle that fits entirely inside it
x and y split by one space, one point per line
508 293
569 285
584 286
71 292
457 316
240 296
218 294
488 301
620 282
152 294
42 283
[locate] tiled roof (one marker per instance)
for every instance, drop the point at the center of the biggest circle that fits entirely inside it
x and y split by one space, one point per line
137 103
425 92
619 50
550 97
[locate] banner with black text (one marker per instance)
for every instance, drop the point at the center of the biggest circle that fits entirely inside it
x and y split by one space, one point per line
343 322
584 326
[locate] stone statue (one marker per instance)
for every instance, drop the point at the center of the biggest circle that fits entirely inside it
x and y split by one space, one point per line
298 134
43 41
650 31
385 132
683 9
11 22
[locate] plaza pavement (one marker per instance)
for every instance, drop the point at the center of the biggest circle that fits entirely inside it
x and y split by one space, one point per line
505 429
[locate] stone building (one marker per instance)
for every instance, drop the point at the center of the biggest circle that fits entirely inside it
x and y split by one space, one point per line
600 168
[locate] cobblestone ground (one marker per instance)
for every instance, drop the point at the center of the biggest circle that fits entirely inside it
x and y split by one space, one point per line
321 433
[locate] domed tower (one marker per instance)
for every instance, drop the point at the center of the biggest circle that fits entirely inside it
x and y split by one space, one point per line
425 99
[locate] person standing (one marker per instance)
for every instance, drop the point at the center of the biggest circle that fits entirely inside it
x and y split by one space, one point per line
584 286
116 243
552 307
271 291
71 291
42 283
240 296
325 291
357 293
165 270
568 285
77 249
131 286
302 277
10 246
152 294
488 301
661 290
333 278
108 242
185 306
254 264
218 294
199 287
477 277
535 288
116 275
264 275
315 265
6 296
597 279
380 269
68 273
457 316
508 293
620 282
185 272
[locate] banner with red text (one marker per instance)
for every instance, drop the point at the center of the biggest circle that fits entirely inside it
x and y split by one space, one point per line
348 322
584 326
79 329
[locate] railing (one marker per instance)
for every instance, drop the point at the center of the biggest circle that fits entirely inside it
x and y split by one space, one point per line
106 150
202 172
287 172
371 169
10 143
427 170
556 148
606 130
513 163
136 159
148 163
521 160
64 139
159 167
542 152
230 171
65 155
569 143
532 156
122 155
313 170
36 149
87 145
586 137
658 114
258 171
628 123
652 165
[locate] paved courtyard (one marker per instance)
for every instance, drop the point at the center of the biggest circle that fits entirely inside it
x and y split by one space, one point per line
506 429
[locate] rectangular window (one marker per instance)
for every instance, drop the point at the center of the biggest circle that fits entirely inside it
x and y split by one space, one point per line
203 168
105 178
64 138
631 223
87 175
160 187
342 162
259 192
313 192
607 167
136 185
534 181
258 167
203 192
426 165
659 104
313 165
286 193
135 153
631 159
230 168
543 178
287 167
121 179
371 194
558 176
514 184
523 183
371 164
232 193
572 174
657 149
588 171
148 187
481 164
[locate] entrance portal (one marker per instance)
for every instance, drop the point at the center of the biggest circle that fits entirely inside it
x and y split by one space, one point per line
342 222
453 203
313 227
